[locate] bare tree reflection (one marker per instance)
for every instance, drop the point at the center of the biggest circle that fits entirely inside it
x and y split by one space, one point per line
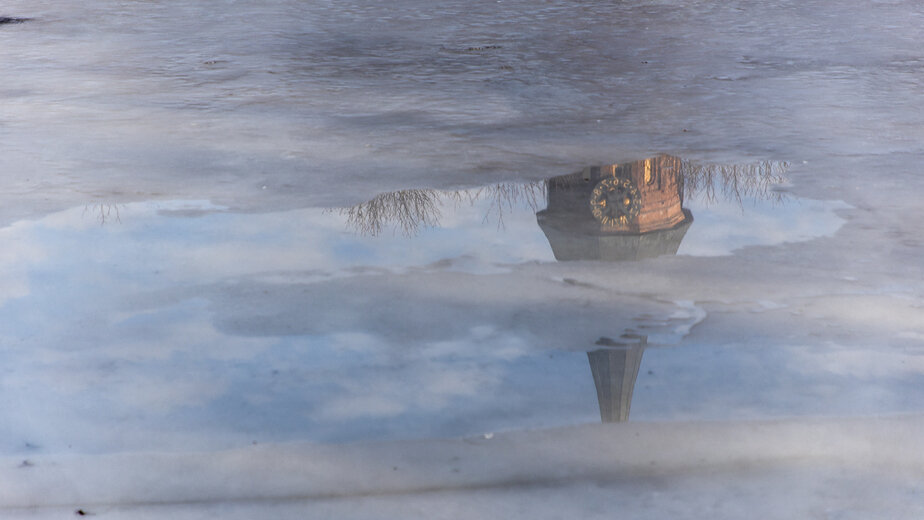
103 212
507 196
734 181
408 211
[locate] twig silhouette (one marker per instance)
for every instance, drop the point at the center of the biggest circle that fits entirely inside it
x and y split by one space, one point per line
409 211
734 181
103 212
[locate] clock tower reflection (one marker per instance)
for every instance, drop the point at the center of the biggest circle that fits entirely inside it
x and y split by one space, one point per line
617 212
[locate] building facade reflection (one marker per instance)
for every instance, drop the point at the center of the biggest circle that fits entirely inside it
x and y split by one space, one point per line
617 212
611 213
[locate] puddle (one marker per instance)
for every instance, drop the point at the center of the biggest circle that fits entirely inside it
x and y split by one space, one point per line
411 315
479 231
631 211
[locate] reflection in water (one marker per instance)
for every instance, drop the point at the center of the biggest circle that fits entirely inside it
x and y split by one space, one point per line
615 212
615 370
409 211
634 211
621 212
103 212
735 181
282 324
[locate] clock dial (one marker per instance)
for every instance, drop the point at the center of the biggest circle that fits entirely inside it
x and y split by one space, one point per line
614 202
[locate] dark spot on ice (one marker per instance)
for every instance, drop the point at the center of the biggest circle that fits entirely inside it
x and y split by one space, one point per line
483 48
651 372
26 464
80 512
8 20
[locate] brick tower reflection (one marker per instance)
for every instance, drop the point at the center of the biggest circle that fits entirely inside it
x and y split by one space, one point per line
617 213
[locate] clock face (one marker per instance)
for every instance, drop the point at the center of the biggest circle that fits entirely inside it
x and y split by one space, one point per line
614 202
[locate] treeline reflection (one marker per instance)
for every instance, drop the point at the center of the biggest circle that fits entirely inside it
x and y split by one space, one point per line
409 211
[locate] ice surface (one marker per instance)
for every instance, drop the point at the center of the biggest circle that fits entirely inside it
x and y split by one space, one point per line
191 260
847 468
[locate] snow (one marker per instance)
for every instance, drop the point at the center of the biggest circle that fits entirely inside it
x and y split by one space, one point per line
843 468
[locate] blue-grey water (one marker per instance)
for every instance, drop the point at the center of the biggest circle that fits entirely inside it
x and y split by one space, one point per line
183 317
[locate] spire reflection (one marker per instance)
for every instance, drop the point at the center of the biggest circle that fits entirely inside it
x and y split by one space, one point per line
615 212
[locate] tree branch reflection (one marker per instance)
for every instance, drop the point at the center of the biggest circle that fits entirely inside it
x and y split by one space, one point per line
734 181
103 212
409 211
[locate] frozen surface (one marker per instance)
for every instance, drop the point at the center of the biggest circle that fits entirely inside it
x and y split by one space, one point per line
325 228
